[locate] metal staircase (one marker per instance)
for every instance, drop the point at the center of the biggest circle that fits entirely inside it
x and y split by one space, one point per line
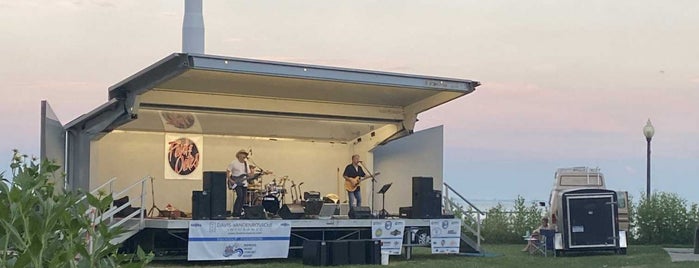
468 244
129 224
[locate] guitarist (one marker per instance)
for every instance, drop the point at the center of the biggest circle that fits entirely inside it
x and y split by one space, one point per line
354 174
237 168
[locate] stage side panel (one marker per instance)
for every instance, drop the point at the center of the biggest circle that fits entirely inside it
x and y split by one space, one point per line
417 155
132 155
53 142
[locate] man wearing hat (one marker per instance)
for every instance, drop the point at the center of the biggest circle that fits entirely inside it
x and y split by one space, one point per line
237 168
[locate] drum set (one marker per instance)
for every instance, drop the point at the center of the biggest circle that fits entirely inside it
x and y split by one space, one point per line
271 195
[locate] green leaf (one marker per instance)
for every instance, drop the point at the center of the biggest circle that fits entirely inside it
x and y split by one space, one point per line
93 201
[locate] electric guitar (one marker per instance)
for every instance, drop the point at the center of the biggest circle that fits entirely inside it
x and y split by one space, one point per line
235 181
351 184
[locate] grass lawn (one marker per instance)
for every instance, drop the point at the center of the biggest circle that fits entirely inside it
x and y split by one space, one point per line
507 256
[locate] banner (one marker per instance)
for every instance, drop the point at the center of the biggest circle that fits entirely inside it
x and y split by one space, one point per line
390 232
445 235
184 155
238 240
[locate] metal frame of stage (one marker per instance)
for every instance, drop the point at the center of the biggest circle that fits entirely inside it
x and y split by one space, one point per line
172 232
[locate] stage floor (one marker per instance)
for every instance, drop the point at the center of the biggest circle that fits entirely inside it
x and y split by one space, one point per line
164 223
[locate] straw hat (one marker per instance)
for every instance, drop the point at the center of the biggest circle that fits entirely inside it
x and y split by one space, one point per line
242 151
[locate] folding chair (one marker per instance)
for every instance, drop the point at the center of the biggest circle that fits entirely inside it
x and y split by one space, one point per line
545 242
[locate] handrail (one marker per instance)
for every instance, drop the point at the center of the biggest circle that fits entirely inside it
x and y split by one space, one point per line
131 186
109 182
464 199
104 184
109 213
450 203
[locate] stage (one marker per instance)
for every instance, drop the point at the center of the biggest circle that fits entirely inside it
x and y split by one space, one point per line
168 238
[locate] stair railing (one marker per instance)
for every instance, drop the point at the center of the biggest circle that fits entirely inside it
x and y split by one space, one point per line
451 206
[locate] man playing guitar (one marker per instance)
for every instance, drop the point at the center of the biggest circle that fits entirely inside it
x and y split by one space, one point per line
238 168
353 176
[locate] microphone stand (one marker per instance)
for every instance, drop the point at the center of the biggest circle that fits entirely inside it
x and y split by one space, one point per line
373 179
154 207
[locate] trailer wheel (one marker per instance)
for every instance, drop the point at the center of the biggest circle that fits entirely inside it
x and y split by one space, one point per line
558 253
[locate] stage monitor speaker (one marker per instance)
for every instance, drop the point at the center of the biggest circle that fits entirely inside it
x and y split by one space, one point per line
215 184
313 207
373 253
405 212
316 253
358 251
200 205
360 213
291 211
339 252
255 213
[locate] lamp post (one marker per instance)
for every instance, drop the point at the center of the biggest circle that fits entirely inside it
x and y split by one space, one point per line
648 131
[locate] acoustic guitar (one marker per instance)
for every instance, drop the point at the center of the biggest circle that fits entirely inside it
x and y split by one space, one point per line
352 183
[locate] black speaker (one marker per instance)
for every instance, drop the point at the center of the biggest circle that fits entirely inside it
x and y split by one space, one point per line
215 185
339 252
313 206
200 205
373 252
255 213
360 213
423 193
358 251
436 205
292 211
316 252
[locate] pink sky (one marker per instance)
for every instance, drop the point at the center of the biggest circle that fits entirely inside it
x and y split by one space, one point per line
558 76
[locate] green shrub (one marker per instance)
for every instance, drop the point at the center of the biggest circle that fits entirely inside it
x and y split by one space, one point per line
501 226
41 228
665 219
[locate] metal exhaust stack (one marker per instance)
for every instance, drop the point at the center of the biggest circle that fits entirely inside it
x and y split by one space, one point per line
193 27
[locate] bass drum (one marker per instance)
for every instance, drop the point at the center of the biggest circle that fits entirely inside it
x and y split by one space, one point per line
271 203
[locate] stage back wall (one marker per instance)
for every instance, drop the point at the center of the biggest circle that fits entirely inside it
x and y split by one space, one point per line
131 155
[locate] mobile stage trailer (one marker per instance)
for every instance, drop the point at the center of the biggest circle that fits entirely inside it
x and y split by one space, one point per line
301 121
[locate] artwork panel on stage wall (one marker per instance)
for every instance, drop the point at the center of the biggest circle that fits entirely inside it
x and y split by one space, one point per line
184 155
180 122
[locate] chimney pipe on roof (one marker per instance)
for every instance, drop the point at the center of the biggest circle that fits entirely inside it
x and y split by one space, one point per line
193 27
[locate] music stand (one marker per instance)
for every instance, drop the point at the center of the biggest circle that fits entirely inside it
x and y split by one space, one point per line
383 213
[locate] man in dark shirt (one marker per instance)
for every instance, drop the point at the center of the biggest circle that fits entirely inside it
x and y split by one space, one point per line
353 175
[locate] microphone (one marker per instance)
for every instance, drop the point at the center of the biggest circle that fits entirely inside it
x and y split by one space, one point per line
250 152
360 161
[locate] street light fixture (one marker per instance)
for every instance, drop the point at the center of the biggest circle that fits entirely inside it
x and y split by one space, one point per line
648 131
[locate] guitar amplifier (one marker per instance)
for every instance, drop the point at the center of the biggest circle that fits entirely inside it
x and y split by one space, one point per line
405 212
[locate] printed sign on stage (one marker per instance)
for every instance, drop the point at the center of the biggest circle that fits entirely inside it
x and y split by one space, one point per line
391 234
238 240
445 235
